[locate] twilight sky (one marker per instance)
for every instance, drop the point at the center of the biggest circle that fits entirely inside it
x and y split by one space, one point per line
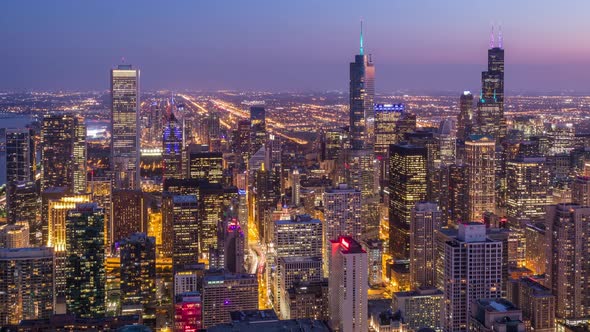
297 45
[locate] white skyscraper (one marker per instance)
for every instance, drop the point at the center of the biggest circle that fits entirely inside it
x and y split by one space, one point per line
348 286
125 127
342 212
472 270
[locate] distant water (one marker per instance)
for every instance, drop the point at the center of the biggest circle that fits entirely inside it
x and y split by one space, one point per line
11 120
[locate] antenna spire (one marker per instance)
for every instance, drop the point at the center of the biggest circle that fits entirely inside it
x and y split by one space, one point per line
362 51
492 37
500 38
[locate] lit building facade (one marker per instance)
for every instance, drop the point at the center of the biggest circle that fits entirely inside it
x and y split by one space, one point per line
426 219
568 226
26 284
362 95
528 186
348 286
407 186
125 127
419 308
185 230
138 274
225 293
472 270
85 261
480 161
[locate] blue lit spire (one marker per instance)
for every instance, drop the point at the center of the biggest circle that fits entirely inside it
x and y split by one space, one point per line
362 48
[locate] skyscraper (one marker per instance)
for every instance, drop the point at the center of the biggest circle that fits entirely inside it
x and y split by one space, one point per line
348 285
490 107
214 200
125 127
58 141
426 219
472 270
129 214
20 154
229 252
342 213
407 186
172 148
362 94
480 152
257 128
225 293
568 226
185 230
26 284
85 262
528 186
138 274
79 156
465 118
205 165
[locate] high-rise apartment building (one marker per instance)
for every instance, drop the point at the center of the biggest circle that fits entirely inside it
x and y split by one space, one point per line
419 308
85 261
63 153
342 215
26 284
125 128
290 270
307 300
480 160
528 189
568 227
472 269
426 219
536 302
225 293
138 274
407 186
348 285
300 236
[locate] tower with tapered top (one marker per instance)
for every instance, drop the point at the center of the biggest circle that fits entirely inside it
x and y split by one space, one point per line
362 93
490 107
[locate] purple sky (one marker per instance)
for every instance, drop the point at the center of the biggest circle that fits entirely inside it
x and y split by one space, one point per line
292 45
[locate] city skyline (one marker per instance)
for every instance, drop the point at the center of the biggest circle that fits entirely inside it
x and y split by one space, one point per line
269 46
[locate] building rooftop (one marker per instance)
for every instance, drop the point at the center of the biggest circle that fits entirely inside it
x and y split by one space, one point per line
26 253
290 325
348 245
253 316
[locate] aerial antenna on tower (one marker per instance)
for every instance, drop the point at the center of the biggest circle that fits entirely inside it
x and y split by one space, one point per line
122 59
500 38
362 51
492 37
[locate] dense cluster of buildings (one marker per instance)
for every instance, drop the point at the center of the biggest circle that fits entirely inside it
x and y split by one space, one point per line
479 224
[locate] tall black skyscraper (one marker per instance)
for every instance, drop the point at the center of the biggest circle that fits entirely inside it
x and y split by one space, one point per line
490 107
257 128
465 118
362 93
